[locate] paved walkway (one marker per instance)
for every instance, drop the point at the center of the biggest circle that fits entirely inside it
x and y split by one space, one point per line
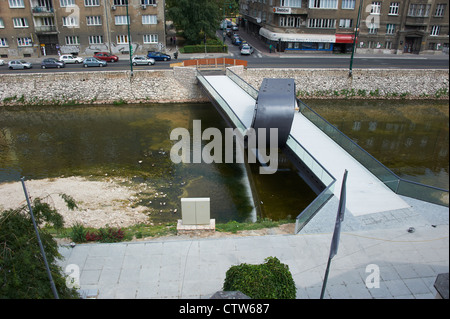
380 250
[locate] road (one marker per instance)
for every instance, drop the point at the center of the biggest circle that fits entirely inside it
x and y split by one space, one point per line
261 58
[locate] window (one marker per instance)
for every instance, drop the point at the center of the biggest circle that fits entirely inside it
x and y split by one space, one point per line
388 44
121 20
122 39
435 30
291 3
376 7
72 40
67 3
290 21
3 42
431 46
323 4
419 10
390 28
148 2
393 8
70 21
16 4
322 23
348 4
120 2
150 38
24 42
20 23
91 3
372 28
2 24
440 10
149 19
94 20
95 39
345 23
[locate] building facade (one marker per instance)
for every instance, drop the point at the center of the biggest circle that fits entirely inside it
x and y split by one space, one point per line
327 26
34 28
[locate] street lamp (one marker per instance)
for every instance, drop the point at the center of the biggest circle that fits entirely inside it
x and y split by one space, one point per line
354 38
130 47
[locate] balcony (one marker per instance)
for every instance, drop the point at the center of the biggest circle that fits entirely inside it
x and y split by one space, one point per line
42 11
45 29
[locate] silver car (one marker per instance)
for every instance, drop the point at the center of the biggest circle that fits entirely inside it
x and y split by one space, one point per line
142 60
19 64
246 49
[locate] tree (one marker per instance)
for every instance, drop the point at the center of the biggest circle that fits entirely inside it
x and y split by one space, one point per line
197 19
22 270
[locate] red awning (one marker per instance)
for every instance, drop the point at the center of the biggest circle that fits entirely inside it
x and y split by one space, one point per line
344 38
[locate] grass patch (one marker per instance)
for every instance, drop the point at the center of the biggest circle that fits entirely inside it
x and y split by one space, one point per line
234 226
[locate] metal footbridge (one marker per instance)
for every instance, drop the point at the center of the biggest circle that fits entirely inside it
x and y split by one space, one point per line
322 153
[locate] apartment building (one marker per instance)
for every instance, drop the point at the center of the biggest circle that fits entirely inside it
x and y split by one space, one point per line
34 28
327 26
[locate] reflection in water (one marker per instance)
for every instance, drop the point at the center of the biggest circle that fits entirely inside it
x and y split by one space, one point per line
409 137
133 142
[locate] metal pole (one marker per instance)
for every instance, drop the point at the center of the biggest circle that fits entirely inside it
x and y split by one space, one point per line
52 283
130 47
326 278
354 39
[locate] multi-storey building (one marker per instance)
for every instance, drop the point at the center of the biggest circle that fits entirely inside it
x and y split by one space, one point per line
385 26
45 27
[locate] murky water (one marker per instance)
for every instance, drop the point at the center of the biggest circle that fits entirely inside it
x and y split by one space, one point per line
409 137
133 142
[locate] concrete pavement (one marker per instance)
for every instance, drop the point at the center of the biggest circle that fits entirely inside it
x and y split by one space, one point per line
377 258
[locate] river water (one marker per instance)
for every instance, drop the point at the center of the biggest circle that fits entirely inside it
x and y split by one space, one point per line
133 142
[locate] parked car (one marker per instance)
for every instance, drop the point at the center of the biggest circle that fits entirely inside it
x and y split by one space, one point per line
2 62
105 56
94 62
247 49
236 40
158 56
142 60
19 64
52 63
69 58
234 27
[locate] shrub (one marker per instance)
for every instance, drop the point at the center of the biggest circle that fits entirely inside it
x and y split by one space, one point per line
106 235
270 280
78 233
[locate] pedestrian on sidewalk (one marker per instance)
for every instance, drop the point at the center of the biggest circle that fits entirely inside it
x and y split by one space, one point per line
270 48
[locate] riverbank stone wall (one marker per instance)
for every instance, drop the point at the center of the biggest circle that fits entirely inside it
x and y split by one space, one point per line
179 85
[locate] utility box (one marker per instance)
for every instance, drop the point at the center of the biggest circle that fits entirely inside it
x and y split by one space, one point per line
195 211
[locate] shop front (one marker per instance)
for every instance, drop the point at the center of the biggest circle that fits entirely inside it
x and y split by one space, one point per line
303 42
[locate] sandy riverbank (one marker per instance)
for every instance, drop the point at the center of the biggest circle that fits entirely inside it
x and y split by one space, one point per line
100 203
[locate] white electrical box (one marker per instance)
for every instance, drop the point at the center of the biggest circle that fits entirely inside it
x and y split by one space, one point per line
195 211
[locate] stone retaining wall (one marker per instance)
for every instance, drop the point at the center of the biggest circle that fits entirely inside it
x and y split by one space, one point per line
180 85
365 83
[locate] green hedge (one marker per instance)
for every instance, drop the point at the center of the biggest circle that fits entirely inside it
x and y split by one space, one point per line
201 48
271 280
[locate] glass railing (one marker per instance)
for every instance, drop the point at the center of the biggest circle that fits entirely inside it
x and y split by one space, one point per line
390 179
325 177
221 101
242 84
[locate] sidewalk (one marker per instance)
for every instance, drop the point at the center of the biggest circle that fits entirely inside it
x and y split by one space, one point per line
405 264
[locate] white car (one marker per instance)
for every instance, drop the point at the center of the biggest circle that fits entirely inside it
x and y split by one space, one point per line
247 49
69 58
142 60
2 62
19 64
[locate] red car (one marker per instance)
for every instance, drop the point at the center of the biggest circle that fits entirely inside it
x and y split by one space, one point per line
105 56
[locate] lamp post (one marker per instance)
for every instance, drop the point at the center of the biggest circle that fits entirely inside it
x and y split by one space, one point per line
354 38
130 47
